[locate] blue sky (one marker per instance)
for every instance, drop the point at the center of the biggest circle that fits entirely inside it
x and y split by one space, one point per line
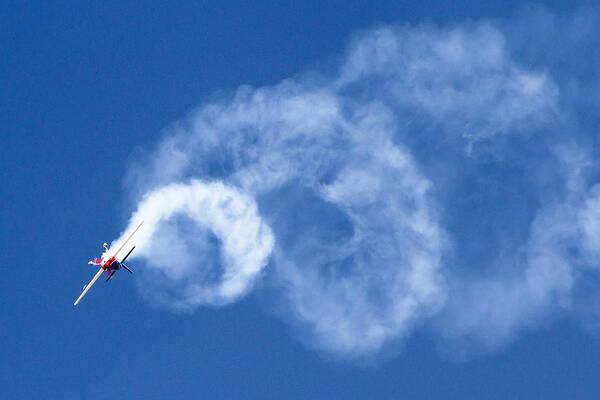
341 200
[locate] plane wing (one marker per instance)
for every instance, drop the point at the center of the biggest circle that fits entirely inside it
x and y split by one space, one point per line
89 285
127 240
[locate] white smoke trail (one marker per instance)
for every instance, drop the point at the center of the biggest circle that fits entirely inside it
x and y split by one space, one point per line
344 187
229 214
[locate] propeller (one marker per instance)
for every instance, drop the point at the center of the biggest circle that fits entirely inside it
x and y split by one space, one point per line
123 261
122 264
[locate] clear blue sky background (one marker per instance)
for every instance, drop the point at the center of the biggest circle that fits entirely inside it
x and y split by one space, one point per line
83 89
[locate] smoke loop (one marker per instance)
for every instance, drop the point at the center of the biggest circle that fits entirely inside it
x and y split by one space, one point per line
217 211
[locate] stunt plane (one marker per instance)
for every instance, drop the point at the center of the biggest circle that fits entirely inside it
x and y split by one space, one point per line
110 266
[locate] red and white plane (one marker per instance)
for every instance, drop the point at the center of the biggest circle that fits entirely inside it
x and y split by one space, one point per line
111 265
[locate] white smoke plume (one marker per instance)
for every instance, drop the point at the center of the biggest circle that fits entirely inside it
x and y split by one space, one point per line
350 187
228 214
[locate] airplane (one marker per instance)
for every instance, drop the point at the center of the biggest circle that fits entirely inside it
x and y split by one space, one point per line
111 265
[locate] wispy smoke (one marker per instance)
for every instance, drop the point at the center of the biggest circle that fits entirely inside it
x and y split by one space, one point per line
363 192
